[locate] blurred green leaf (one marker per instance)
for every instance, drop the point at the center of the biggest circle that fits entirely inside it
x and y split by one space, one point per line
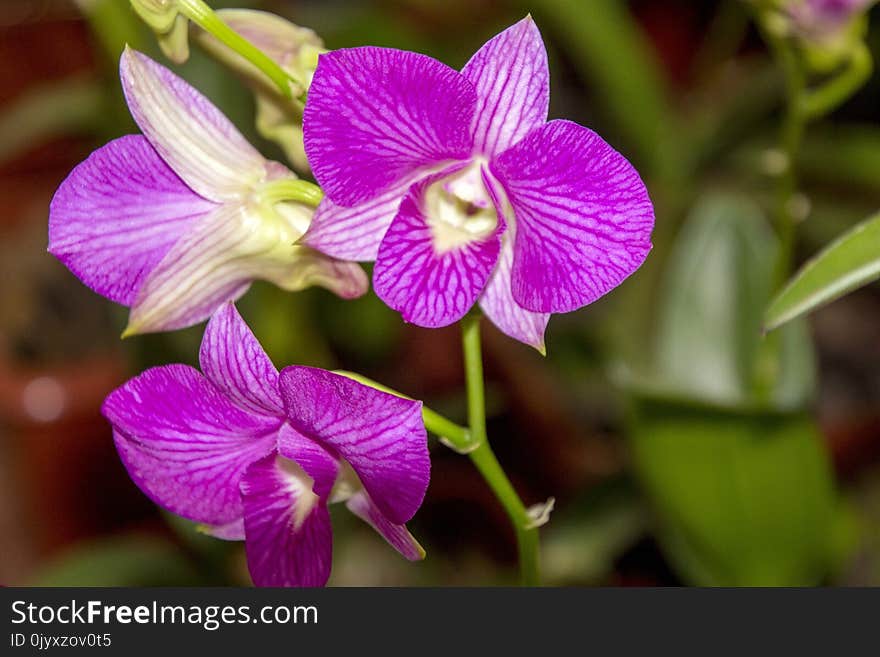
743 499
847 264
131 560
709 345
842 154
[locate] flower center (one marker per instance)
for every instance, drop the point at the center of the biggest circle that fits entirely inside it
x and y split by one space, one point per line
299 485
459 209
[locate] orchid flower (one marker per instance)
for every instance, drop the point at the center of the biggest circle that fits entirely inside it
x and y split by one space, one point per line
295 49
257 455
184 217
463 193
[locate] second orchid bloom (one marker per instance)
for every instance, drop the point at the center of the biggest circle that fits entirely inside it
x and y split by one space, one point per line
178 220
257 456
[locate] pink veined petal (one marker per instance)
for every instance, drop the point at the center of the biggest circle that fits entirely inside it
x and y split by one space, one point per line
398 536
583 217
512 80
497 302
204 269
117 214
381 436
375 116
231 531
429 289
193 137
354 233
289 541
235 362
186 445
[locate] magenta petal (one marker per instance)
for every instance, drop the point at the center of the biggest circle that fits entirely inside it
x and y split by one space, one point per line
381 436
429 289
497 302
398 536
231 531
583 217
117 214
321 466
513 86
184 444
375 116
289 541
234 361
354 233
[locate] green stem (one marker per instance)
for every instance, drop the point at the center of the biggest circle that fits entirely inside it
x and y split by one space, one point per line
484 458
203 16
828 97
291 189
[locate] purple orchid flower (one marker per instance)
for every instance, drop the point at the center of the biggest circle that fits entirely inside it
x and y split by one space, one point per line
258 455
178 220
463 193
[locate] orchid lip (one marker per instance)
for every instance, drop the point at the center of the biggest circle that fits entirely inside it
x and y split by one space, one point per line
459 209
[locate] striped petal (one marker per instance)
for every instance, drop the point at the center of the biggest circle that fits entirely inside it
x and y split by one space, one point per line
381 436
583 217
376 116
289 541
236 363
188 131
430 287
497 302
118 214
512 80
185 444
354 233
398 536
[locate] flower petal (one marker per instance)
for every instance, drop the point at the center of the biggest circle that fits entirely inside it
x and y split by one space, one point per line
231 531
188 131
497 302
234 361
428 288
354 233
184 443
583 217
398 536
117 214
204 269
289 541
375 116
512 80
321 466
381 436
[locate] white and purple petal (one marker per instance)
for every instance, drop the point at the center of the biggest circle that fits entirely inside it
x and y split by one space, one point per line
499 306
234 361
512 80
185 444
430 288
193 137
381 436
583 217
376 116
289 541
396 535
118 214
354 233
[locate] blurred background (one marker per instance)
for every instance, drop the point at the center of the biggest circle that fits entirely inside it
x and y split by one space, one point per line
678 452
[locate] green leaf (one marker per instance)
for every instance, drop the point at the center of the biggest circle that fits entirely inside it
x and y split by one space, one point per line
847 264
709 346
742 499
